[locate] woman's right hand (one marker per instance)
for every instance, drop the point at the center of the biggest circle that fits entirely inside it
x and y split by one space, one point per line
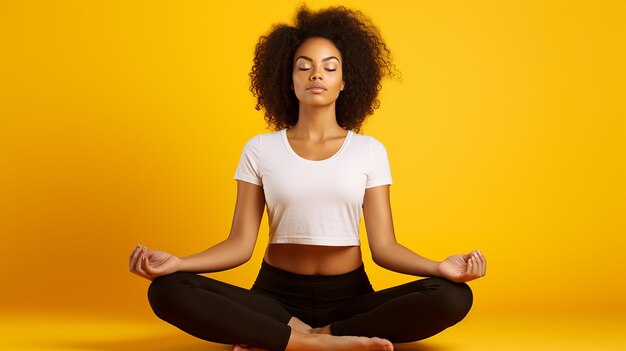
150 264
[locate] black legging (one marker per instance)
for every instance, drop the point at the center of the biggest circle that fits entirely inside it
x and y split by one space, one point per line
219 312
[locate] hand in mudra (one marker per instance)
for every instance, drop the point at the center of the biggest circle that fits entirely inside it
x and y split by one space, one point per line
150 264
463 267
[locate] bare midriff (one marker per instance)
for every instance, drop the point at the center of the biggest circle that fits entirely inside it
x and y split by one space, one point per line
314 259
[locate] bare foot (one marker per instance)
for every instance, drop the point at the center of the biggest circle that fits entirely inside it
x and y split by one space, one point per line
299 325
321 342
304 338
322 330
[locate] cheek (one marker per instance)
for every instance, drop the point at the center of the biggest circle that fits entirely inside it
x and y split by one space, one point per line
298 81
336 81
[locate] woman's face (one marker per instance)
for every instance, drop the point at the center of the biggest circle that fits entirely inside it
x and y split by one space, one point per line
317 75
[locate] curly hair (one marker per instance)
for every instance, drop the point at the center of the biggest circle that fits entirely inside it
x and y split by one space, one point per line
366 60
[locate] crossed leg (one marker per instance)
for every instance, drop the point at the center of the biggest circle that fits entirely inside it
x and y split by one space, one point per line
404 313
223 313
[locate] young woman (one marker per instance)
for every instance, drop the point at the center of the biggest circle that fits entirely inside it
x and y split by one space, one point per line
316 81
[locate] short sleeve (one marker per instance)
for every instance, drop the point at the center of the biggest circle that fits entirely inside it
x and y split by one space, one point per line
248 167
379 170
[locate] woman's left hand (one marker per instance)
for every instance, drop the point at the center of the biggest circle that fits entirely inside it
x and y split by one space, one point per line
463 267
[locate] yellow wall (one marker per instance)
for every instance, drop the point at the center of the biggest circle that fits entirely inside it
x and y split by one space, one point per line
122 123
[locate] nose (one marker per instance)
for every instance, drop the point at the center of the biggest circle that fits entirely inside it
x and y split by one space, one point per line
316 75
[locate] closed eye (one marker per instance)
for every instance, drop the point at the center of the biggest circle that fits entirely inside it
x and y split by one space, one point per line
328 69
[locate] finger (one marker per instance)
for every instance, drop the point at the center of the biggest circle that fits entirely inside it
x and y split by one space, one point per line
138 268
475 254
481 263
136 260
133 256
145 265
471 265
476 266
468 270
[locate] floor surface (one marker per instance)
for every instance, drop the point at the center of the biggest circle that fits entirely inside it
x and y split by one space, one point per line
32 332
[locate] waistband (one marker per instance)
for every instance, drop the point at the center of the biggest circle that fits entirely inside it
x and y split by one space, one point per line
274 278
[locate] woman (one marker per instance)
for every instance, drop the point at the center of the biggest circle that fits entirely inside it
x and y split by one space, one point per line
317 81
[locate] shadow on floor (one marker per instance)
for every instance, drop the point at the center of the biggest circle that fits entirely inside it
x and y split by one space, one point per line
163 343
419 346
186 343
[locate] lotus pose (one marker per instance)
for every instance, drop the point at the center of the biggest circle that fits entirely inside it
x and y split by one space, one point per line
317 174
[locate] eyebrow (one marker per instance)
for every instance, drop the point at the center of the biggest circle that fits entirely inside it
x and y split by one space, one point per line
310 59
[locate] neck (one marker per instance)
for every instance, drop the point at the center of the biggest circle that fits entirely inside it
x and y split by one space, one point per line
317 122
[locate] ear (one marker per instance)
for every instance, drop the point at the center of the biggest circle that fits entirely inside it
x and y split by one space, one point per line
343 84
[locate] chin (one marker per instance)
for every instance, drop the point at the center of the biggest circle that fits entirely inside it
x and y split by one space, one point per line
317 103
317 100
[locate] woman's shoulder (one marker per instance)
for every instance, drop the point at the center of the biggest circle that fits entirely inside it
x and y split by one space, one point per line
258 138
368 141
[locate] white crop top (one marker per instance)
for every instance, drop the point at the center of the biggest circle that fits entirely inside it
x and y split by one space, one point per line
314 202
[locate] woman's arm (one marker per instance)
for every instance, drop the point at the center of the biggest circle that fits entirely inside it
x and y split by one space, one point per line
387 253
238 247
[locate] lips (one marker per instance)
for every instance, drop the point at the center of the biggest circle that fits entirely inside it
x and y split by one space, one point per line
316 86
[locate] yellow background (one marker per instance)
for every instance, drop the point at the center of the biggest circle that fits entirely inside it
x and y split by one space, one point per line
123 122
